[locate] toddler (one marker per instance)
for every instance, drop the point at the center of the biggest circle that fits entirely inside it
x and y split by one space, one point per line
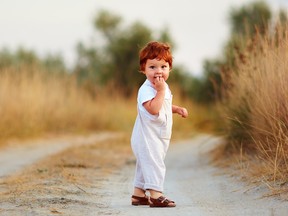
153 126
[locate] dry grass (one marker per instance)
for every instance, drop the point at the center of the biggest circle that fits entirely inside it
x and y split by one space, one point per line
34 103
257 108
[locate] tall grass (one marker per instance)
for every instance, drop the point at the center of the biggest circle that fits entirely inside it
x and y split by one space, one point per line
257 104
34 102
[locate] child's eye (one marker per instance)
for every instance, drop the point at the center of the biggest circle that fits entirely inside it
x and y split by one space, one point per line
152 67
164 66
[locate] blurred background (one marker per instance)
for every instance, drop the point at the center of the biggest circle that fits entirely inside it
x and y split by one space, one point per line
72 66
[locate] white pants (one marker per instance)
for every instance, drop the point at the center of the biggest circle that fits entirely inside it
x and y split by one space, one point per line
150 140
150 168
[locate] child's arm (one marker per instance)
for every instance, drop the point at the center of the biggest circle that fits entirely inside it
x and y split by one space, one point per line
180 110
153 106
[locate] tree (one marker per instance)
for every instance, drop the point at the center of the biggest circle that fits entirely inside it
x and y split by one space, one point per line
116 61
123 52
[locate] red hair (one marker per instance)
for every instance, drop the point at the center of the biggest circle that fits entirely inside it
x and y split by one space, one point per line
155 50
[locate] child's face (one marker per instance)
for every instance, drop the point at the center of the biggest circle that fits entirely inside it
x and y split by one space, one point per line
155 68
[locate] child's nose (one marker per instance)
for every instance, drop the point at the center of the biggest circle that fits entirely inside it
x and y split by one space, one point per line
159 70
158 73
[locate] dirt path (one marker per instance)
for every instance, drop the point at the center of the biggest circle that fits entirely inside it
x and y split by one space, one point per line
17 156
197 187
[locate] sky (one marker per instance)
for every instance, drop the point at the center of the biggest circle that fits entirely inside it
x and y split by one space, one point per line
199 28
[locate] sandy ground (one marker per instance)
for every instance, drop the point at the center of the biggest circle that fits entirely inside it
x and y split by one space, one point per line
192 181
17 155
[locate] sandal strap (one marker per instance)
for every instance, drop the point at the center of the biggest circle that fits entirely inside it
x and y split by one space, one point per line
162 202
163 199
140 198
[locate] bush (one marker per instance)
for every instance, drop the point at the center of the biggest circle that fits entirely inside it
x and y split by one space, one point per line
257 104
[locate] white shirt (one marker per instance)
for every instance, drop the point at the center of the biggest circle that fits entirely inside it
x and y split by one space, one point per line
152 127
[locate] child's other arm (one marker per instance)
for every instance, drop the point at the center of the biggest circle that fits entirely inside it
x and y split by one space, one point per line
180 110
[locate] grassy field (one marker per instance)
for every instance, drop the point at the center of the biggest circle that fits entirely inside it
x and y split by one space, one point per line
34 103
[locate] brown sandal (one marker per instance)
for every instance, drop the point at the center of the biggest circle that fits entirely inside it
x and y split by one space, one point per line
140 200
161 202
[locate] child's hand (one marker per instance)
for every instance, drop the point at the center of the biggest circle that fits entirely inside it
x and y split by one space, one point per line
159 83
182 111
